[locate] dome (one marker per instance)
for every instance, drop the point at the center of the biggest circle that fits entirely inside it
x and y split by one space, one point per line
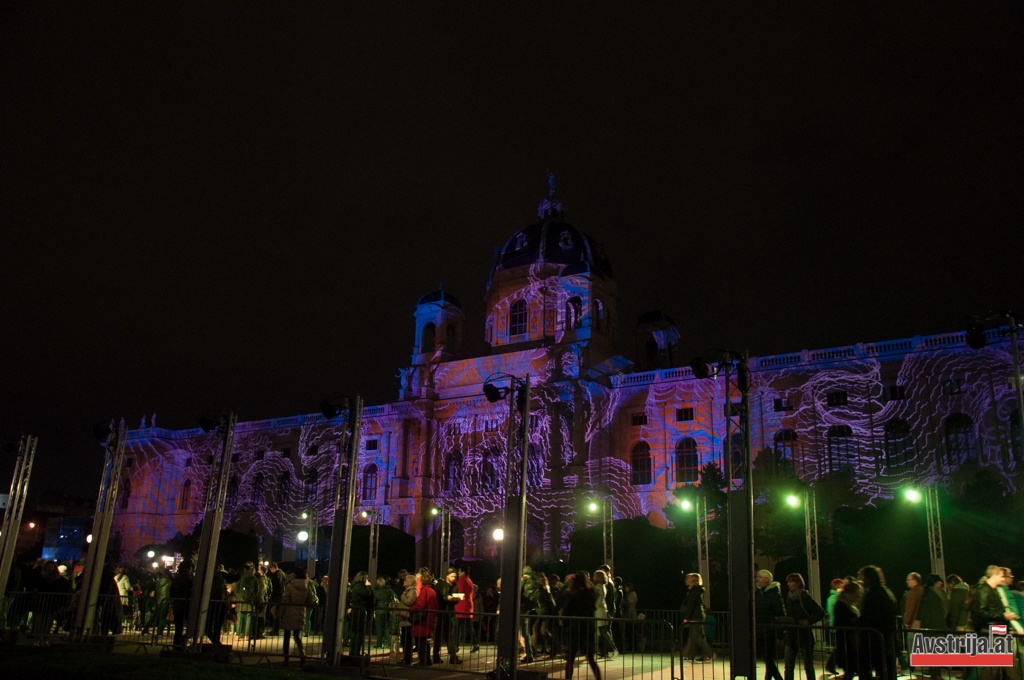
439 297
553 241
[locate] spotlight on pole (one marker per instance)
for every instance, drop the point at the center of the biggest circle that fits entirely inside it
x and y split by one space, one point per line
700 368
499 535
792 500
494 393
976 338
303 536
334 405
912 495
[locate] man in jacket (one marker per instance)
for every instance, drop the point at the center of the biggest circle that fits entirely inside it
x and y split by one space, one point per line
957 591
446 629
768 608
275 588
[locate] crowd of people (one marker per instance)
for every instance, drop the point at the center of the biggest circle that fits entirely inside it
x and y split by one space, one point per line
870 630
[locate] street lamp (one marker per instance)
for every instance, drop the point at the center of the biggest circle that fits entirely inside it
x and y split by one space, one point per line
809 500
606 508
513 555
312 534
444 514
699 505
934 519
372 517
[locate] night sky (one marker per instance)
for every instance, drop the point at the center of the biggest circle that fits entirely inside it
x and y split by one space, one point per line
213 205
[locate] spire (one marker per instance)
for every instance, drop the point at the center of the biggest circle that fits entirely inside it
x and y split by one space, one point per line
550 206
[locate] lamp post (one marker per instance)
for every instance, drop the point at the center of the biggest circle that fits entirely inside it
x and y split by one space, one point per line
607 510
809 502
934 519
741 510
216 495
16 505
513 555
312 537
700 510
444 515
113 461
341 530
372 517
977 339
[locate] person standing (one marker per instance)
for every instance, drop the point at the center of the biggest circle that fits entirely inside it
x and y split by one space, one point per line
405 601
217 609
694 614
421 613
297 598
580 604
181 596
878 612
446 630
360 603
245 600
768 609
275 589
605 644
464 606
957 591
801 608
847 653
383 597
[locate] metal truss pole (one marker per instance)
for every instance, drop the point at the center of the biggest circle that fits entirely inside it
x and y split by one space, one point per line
608 532
341 530
935 550
312 543
15 506
741 539
811 531
206 565
113 463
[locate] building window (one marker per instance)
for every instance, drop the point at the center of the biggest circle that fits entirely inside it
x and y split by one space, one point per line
260 453
573 313
125 494
783 404
684 414
785 447
640 464
185 496
312 481
372 444
231 496
638 419
312 450
687 461
841 448
286 452
899 446
954 386
895 392
188 462
427 338
517 318
488 476
284 489
838 398
256 490
958 440
369 483
453 473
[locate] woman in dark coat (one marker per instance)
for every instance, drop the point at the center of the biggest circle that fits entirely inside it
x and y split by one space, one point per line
580 604
181 595
878 612
298 596
422 614
360 604
697 647
847 615
805 612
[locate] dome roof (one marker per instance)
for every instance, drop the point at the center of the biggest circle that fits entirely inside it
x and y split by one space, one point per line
553 241
439 296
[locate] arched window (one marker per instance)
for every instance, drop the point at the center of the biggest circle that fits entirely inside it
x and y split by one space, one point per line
535 468
687 461
573 313
449 338
312 479
488 474
256 490
284 489
427 339
651 354
231 496
899 446
125 494
517 318
958 439
640 464
369 483
453 473
185 496
841 448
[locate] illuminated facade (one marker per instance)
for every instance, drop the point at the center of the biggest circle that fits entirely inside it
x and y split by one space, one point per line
881 414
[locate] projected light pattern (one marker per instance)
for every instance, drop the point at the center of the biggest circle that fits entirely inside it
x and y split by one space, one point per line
884 415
